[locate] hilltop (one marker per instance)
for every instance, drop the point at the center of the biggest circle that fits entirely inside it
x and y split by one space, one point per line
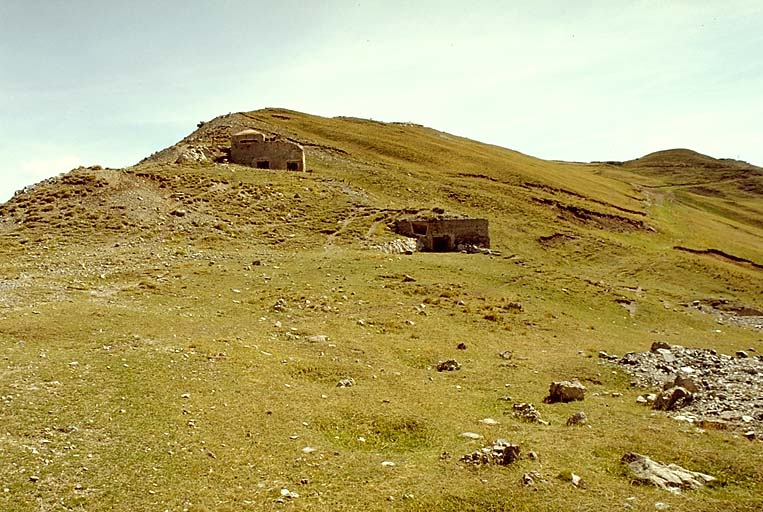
174 332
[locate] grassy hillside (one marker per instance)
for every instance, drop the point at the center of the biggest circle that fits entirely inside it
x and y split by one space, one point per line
173 333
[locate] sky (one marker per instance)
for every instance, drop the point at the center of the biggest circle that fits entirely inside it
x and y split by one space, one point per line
86 82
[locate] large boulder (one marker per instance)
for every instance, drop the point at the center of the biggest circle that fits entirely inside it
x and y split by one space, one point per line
565 391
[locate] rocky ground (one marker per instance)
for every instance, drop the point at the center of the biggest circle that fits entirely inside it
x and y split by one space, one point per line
701 386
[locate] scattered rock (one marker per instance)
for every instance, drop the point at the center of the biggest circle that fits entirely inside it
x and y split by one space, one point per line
408 279
461 346
672 399
608 357
286 493
388 464
669 477
565 391
346 382
489 421
279 306
506 354
501 452
571 477
528 479
470 435
318 338
579 418
448 366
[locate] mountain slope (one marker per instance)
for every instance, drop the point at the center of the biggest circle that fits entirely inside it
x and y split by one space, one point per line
174 333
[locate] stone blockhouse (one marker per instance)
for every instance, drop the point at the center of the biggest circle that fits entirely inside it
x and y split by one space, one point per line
443 235
252 148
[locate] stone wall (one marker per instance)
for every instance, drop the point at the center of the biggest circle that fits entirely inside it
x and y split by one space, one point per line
444 235
254 149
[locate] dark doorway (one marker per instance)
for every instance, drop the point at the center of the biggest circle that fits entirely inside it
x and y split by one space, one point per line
292 166
263 164
441 244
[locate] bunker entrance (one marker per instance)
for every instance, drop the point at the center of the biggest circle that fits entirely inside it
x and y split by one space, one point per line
441 244
292 166
263 164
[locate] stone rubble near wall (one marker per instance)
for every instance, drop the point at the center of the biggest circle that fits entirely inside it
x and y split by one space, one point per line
669 477
724 391
397 246
475 249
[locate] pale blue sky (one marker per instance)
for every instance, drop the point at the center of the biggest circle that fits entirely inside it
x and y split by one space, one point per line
101 82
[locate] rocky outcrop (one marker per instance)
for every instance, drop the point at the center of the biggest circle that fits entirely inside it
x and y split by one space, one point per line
669 477
191 154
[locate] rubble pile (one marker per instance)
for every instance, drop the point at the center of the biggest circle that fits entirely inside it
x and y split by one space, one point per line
501 452
706 387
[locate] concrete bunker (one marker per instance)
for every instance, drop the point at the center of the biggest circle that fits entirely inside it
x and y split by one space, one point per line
440 233
255 149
